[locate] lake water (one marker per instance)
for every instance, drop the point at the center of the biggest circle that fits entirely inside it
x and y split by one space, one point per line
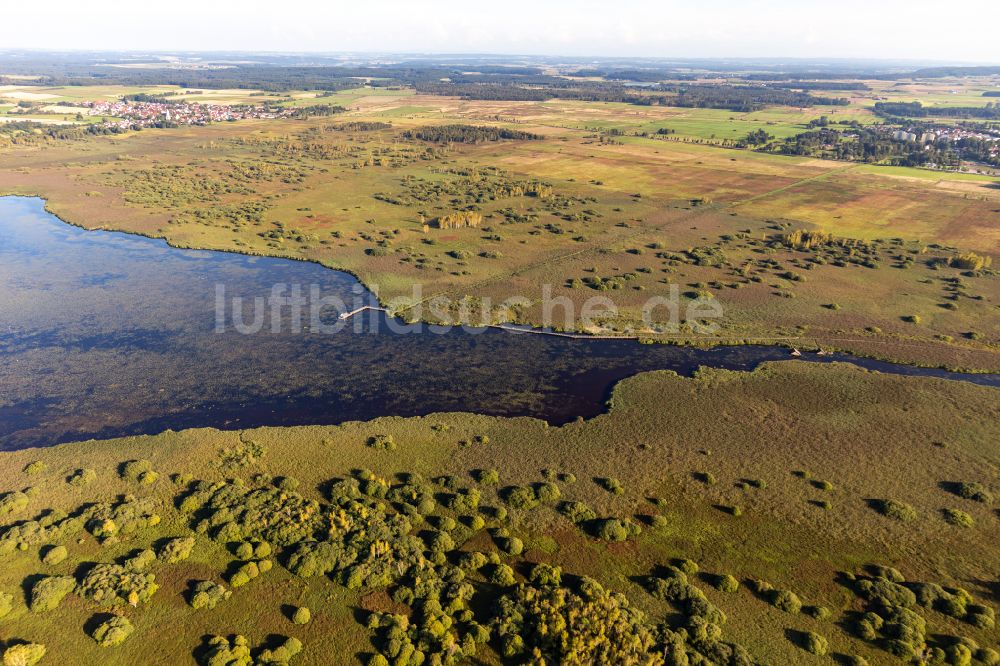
105 334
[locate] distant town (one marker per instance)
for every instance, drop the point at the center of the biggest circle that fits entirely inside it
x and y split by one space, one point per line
127 114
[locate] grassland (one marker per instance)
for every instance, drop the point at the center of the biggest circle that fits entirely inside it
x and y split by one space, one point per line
767 476
631 213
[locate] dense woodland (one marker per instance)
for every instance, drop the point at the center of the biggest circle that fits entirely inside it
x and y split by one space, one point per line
917 110
467 134
877 145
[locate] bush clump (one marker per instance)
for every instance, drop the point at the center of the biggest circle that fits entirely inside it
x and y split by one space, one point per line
786 600
520 498
302 615
972 490
176 550
547 492
612 485
895 509
23 654
281 655
577 512
120 584
726 583
383 442
11 503
47 593
55 555
220 651
36 467
82 477
113 631
557 625
488 477
138 471
614 529
207 594
957 517
815 644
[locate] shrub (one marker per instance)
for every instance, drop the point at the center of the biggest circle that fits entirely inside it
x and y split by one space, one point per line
488 477
302 615
206 594
221 652
548 492
556 625
887 592
134 469
706 477
521 498
577 512
13 502
113 632
117 585
47 593
817 612
244 551
895 509
82 477
545 574
689 567
55 555
384 442
957 518
988 656
612 485
23 654
970 261
176 550
502 575
615 529
244 574
815 644
36 467
972 490
511 545
726 583
472 561
287 483
786 600
658 522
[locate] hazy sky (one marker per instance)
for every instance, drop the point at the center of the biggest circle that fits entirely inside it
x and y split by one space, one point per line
959 30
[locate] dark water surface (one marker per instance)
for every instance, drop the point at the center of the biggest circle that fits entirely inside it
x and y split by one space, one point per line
104 334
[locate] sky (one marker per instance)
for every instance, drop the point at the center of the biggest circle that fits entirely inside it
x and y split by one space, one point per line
965 30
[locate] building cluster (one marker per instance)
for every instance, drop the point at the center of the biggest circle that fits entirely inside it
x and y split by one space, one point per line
125 114
952 134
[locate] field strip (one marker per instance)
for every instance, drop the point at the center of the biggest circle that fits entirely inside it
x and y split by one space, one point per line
797 183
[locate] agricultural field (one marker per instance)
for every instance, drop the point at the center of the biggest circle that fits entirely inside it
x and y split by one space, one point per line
742 515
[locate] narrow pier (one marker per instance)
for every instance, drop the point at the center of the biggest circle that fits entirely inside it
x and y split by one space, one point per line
348 315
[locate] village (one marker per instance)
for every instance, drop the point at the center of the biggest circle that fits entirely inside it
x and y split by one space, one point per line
127 114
